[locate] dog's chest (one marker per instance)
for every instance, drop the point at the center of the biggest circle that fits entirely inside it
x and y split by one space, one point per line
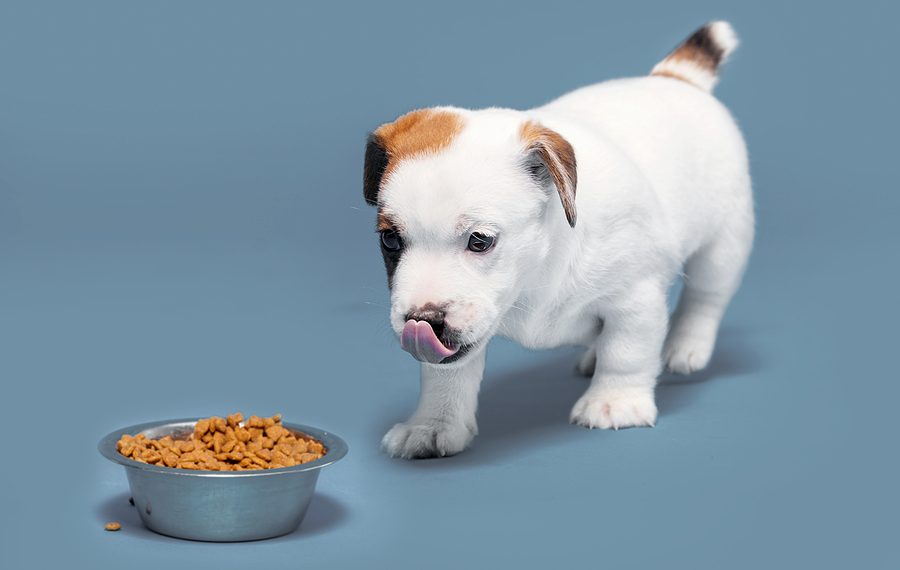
552 325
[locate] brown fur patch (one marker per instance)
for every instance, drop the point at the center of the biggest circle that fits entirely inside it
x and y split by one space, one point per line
700 49
426 131
672 74
384 223
696 55
559 157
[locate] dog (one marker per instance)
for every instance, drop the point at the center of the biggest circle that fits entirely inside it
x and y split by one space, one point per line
563 225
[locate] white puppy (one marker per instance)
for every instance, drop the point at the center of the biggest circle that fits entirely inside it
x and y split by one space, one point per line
477 222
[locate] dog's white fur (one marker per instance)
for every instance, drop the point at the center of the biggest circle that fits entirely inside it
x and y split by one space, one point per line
663 185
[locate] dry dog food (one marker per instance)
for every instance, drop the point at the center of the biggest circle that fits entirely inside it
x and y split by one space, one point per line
112 526
226 444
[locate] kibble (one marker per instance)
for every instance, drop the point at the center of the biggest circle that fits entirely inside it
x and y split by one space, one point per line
225 444
112 526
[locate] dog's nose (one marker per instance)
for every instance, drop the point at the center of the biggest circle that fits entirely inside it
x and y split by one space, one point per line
431 314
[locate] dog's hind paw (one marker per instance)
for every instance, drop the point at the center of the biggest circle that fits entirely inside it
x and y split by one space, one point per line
434 438
684 353
615 408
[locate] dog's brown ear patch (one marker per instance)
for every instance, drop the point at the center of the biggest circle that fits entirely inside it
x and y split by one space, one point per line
558 156
426 131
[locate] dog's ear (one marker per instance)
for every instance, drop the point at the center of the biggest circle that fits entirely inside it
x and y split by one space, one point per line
550 158
375 165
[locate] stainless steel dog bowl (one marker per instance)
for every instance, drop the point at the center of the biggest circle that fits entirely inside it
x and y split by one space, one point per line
220 506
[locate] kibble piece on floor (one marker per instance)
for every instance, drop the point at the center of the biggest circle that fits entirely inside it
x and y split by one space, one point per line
112 526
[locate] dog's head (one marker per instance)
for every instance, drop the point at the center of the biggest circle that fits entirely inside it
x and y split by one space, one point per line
464 212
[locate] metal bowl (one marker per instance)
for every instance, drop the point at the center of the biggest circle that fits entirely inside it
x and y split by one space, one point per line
220 506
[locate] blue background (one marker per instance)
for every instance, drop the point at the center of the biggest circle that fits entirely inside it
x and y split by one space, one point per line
182 232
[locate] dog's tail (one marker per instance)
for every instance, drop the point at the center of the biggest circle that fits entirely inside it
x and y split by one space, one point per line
698 58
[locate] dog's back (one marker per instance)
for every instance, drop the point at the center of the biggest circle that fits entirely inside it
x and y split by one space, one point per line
682 139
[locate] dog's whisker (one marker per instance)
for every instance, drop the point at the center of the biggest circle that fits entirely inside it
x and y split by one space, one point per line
538 288
527 310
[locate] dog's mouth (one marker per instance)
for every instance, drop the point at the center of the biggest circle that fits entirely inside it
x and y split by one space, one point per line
420 339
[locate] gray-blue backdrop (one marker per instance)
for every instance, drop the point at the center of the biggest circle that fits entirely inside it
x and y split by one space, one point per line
182 232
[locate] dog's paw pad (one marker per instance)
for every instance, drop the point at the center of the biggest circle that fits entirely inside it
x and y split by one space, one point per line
615 408
427 439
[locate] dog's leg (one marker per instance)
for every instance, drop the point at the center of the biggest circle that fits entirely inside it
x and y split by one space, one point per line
712 276
588 362
628 362
444 422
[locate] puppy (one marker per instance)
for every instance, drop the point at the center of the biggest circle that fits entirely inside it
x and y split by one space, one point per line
563 225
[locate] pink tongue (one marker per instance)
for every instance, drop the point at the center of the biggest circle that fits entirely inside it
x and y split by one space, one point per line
418 339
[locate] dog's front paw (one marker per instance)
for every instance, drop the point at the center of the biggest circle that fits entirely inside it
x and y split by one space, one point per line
431 438
615 408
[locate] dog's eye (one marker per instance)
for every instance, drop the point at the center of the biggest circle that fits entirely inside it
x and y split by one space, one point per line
479 242
391 241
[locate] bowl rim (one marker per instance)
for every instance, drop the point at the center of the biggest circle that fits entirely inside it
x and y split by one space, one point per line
337 449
